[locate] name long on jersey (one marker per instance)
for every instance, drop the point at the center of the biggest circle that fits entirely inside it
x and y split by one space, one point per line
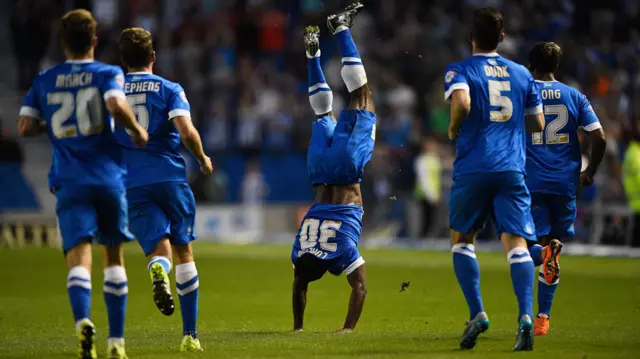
155 101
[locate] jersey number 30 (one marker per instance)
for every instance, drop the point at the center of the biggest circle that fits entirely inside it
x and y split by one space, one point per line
312 232
88 108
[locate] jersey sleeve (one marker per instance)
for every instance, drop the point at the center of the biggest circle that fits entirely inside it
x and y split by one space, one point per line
178 103
113 83
30 106
533 104
587 119
454 79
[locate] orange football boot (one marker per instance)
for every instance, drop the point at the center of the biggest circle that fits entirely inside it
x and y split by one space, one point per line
541 326
550 263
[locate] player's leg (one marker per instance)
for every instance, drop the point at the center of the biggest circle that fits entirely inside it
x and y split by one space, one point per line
353 72
512 213
151 227
320 94
468 208
307 268
180 207
78 225
113 223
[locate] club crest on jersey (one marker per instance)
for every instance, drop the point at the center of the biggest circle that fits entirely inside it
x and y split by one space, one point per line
449 76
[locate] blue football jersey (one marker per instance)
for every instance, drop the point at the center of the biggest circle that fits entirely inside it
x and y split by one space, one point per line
492 138
155 102
329 230
70 99
554 159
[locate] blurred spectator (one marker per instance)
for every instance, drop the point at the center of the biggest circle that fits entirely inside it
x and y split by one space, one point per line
428 189
254 189
631 180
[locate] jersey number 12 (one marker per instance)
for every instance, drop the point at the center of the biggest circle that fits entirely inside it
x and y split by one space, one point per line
312 232
551 132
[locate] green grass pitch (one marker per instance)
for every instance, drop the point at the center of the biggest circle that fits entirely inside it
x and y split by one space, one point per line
245 309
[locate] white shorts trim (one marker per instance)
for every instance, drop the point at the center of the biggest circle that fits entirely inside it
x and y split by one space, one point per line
353 266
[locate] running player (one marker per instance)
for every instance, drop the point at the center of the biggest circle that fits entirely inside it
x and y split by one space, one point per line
162 208
74 103
553 169
493 101
338 151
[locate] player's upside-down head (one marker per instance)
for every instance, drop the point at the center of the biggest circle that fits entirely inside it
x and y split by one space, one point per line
488 29
136 48
78 33
544 57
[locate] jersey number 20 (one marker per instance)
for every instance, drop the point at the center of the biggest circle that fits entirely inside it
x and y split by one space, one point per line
312 232
88 107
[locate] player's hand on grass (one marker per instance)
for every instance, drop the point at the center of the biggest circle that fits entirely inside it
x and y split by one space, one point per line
298 330
344 331
140 136
206 166
586 178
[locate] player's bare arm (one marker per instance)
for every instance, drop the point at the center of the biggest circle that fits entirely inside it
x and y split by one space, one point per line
191 139
356 301
534 123
122 114
460 108
29 127
598 146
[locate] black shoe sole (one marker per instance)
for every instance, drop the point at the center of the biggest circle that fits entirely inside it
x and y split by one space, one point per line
163 298
87 344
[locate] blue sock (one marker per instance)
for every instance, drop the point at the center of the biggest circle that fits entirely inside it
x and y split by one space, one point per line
536 254
187 285
164 261
79 289
522 274
546 292
320 95
115 297
467 271
353 73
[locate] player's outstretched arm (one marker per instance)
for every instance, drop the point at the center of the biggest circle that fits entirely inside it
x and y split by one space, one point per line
534 123
191 139
356 301
460 108
299 301
598 147
121 112
29 127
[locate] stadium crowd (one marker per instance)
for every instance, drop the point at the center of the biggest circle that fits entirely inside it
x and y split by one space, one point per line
242 65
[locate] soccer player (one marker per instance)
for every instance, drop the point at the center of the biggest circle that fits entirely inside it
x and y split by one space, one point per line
553 169
493 102
74 103
338 151
162 208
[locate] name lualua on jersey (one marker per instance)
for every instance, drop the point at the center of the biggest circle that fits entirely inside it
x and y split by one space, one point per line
74 80
315 251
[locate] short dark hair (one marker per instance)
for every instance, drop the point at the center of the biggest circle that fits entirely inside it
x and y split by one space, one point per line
136 47
544 57
488 25
77 31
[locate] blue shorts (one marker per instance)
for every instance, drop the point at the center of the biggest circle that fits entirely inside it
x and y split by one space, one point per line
88 212
331 232
504 195
554 215
338 151
162 210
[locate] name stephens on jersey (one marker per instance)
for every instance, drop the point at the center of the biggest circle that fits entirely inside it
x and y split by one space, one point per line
143 86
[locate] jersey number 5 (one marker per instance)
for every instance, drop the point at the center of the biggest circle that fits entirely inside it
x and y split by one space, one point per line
137 103
496 99
551 132
310 230
87 105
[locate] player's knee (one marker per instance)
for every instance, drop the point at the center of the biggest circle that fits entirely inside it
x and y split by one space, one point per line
163 249
361 99
458 237
113 255
79 255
